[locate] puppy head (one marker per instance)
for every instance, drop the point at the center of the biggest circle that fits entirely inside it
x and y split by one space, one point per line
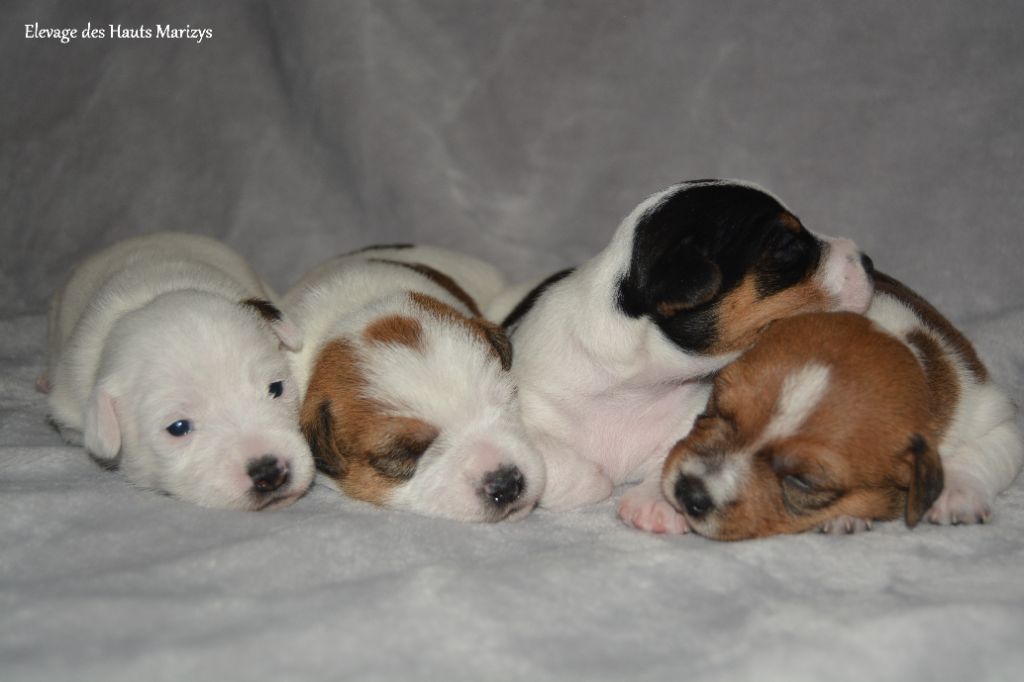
712 262
418 412
195 399
825 416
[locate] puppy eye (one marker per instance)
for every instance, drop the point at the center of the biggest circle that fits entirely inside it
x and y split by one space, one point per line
800 482
276 389
180 428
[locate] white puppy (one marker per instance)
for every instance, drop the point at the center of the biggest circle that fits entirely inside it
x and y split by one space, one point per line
407 398
165 360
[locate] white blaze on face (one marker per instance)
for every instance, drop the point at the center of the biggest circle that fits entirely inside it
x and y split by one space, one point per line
799 397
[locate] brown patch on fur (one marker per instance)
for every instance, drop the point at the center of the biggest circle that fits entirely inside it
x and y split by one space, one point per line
440 279
353 438
267 310
943 384
852 453
790 222
397 329
495 336
743 314
935 321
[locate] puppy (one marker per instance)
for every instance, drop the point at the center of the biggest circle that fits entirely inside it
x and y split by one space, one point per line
164 359
408 402
609 356
835 420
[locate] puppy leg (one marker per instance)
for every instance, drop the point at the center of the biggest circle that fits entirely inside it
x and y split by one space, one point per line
644 507
980 468
573 482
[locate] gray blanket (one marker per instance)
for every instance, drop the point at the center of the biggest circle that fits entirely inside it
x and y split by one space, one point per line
520 132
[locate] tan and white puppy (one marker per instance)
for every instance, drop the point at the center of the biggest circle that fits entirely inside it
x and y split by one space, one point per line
408 402
165 361
834 420
611 357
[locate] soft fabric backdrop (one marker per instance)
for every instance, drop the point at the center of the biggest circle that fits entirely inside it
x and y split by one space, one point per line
520 132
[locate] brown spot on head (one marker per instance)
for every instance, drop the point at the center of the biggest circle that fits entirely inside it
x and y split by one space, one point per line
851 453
744 313
495 337
355 439
395 329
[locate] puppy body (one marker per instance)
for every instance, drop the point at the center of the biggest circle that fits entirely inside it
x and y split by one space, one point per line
834 420
407 398
610 357
166 329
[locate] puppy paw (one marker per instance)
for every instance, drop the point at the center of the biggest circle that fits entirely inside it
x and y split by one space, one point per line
644 508
963 500
846 525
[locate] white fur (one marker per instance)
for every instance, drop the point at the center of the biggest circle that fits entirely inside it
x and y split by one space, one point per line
605 396
454 381
802 391
151 331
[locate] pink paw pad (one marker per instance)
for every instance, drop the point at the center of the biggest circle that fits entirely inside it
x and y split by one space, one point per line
654 515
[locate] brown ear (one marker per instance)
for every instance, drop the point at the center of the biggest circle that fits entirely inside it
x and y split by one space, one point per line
926 479
319 432
498 339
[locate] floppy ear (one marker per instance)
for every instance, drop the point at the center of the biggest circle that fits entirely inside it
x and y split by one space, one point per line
685 280
101 432
926 479
319 432
498 339
287 332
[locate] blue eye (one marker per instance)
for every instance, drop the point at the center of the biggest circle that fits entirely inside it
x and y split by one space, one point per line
179 428
277 389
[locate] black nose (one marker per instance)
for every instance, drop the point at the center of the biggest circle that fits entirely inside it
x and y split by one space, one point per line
869 265
693 496
268 473
504 486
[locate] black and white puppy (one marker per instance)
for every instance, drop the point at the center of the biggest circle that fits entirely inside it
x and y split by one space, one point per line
609 357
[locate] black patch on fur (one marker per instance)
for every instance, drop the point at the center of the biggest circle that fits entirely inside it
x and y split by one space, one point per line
698 244
500 342
528 301
927 482
267 310
320 436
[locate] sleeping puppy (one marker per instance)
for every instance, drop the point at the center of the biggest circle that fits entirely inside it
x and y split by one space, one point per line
165 360
408 402
609 357
835 420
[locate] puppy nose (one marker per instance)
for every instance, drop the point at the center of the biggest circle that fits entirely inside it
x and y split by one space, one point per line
869 265
268 473
693 496
504 486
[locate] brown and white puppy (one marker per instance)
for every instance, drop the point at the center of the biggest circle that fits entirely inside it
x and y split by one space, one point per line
835 420
611 357
407 399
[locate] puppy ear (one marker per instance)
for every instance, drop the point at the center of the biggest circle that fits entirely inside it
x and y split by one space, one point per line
319 432
498 339
101 432
286 331
684 281
926 479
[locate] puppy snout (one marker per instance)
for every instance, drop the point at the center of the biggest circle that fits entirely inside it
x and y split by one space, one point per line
504 486
867 264
268 473
693 496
